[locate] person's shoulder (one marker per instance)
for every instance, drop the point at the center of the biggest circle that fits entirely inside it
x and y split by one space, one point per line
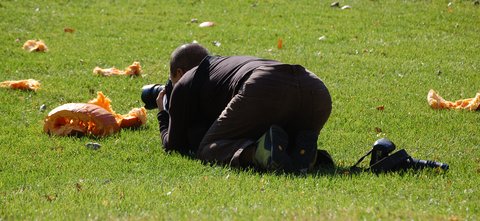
187 77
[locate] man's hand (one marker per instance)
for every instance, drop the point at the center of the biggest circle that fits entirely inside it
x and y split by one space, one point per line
160 100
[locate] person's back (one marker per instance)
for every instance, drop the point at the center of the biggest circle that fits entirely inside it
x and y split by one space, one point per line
202 93
226 76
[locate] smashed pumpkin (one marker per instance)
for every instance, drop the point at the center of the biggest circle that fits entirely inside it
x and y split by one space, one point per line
28 84
93 118
437 102
133 70
34 45
80 119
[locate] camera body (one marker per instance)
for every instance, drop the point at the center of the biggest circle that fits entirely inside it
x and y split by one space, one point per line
383 161
381 149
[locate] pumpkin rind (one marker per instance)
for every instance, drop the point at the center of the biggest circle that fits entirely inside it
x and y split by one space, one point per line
80 118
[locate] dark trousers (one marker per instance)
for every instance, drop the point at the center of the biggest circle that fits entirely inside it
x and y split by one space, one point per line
285 95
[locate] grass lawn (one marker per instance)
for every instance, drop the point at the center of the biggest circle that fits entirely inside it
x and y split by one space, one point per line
378 53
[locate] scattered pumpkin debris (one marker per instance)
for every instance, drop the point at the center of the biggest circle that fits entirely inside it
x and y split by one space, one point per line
28 84
93 118
437 102
280 43
34 45
134 69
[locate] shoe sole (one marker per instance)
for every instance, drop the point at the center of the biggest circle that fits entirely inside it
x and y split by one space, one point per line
305 150
277 139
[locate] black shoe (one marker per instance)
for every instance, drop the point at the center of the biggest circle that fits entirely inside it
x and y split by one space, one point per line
271 151
304 153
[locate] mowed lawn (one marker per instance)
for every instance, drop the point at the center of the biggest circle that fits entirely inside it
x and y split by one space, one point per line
379 59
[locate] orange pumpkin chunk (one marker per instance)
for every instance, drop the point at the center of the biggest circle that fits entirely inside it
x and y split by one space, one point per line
80 119
93 118
135 118
437 102
34 45
28 84
134 69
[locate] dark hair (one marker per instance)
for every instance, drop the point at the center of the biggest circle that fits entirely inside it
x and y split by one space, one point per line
187 56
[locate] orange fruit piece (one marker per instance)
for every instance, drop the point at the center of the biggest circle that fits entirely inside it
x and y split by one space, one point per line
34 45
28 84
437 102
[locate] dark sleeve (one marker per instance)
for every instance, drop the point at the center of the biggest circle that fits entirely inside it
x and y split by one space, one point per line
163 120
168 94
173 124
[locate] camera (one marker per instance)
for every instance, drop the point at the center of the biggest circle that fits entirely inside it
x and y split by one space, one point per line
381 149
383 161
150 93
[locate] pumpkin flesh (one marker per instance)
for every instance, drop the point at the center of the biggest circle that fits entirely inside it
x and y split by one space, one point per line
437 102
28 84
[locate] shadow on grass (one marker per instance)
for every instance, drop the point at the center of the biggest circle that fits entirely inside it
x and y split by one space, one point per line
315 172
341 171
322 168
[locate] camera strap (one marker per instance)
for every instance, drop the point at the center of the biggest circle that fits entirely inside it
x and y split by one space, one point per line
361 159
392 162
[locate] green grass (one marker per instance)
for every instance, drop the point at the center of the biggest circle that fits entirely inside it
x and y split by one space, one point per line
378 53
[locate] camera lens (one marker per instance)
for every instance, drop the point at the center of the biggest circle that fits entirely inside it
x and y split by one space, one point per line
149 95
420 164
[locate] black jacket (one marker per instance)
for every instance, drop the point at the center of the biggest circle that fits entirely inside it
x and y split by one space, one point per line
200 96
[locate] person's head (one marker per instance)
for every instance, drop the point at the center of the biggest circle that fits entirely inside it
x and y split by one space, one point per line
185 58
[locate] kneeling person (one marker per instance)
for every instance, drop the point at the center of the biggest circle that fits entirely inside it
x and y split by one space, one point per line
243 111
